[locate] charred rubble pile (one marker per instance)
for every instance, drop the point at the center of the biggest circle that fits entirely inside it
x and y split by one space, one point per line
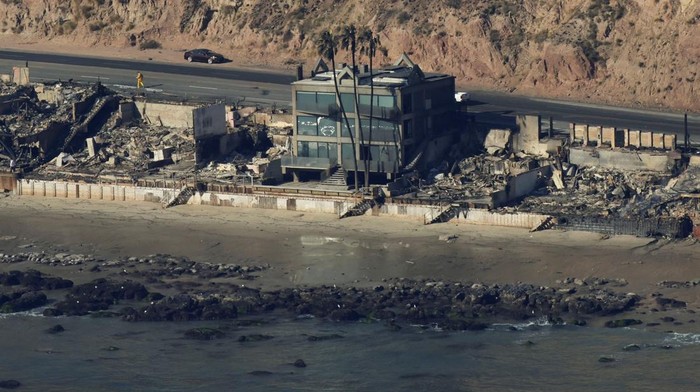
83 133
133 150
595 191
259 142
475 176
485 171
35 130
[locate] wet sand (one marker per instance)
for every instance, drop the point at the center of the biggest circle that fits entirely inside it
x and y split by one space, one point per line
314 249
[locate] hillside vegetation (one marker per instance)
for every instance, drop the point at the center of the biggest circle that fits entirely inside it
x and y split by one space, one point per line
634 52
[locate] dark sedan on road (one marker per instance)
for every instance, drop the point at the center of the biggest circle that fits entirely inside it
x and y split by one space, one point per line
204 56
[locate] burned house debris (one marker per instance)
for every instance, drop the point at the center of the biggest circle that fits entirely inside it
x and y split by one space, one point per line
610 180
73 132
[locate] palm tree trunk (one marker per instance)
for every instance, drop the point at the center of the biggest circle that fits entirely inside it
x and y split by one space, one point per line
347 122
371 113
357 111
365 159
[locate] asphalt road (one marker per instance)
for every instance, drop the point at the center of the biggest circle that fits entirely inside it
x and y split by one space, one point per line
205 82
181 82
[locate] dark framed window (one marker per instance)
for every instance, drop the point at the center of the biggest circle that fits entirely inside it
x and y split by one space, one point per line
346 132
346 152
407 103
317 149
316 102
382 131
317 126
408 129
327 127
348 102
380 101
306 125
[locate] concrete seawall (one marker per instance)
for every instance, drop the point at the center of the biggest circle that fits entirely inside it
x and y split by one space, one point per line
335 205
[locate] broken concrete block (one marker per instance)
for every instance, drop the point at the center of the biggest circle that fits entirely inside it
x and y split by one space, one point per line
113 161
91 146
163 154
558 181
59 159
608 136
497 139
20 76
63 159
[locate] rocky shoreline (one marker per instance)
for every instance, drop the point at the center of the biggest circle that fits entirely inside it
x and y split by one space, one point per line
167 288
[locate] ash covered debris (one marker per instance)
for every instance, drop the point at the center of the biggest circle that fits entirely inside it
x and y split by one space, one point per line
34 131
90 133
609 192
478 173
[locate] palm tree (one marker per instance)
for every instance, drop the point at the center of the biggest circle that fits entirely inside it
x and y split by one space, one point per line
348 41
369 42
327 47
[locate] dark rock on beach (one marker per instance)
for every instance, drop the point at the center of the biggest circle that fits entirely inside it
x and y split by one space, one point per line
184 308
99 295
28 300
33 280
9 384
622 323
254 338
670 302
447 305
203 334
324 337
260 373
300 363
55 329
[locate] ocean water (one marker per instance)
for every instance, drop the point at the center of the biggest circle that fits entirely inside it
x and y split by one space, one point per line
113 355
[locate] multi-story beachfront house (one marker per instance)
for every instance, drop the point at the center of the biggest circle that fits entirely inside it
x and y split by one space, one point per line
409 107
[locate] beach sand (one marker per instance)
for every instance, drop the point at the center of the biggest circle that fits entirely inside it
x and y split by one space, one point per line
315 249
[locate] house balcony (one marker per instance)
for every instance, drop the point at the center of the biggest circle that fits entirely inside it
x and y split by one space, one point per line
306 163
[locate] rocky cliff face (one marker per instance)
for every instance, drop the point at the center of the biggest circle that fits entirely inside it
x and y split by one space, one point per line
638 52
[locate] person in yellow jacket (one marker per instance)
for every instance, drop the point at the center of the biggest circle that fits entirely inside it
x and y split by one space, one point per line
139 80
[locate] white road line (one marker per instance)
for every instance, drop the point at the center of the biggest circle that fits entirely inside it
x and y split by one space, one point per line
205 88
93 77
149 89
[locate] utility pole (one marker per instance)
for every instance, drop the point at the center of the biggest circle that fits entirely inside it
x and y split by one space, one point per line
551 127
687 135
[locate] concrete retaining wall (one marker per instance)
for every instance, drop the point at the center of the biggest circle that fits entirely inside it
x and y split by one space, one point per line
72 190
623 160
336 206
328 206
169 115
521 185
8 181
484 217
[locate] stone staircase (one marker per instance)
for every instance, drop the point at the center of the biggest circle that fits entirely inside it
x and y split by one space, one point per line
101 104
447 213
181 198
362 207
339 178
546 224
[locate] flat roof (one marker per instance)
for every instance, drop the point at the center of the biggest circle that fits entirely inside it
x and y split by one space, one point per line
393 76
